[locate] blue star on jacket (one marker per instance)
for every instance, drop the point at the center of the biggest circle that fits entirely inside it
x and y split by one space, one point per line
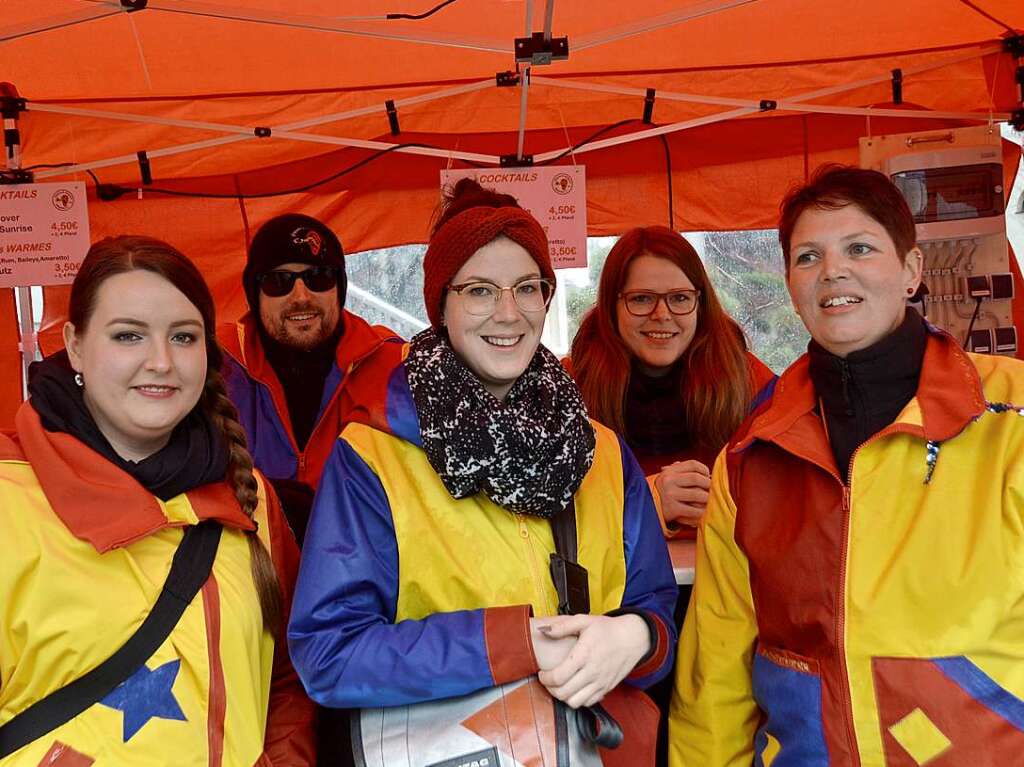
144 695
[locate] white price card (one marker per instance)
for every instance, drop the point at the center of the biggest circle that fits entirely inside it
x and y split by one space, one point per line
556 196
44 233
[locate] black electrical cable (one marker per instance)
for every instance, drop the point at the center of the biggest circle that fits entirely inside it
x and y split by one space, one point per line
974 317
668 174
587 140
113 191
418 16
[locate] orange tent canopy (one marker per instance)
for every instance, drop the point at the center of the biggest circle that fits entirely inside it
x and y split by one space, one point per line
749 95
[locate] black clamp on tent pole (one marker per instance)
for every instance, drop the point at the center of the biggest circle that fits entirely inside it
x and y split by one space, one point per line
513 160
767 105
1014 45
144 169
506 79
392 117
536 50
649 105
11 106
897 86
261 132
133 5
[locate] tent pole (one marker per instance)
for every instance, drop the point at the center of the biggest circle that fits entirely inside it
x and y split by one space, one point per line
23 293
360 28
658 22
58 22
524 86
742 112
549 17
487 159
244 134
782 106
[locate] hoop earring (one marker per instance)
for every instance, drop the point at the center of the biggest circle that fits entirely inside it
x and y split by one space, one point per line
79 380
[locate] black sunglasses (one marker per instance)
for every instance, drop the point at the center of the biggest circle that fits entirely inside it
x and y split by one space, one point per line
280 283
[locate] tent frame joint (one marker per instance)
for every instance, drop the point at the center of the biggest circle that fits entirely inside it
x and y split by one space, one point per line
535 49
12 106
15 176
768 105
262 131
506 79
1014 46
513 160
133 5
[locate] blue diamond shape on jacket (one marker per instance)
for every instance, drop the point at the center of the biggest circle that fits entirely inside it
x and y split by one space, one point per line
144 695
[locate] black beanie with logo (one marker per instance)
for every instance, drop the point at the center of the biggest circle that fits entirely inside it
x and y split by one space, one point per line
291 239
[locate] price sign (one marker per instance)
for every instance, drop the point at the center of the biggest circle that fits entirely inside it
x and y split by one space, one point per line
44 233
555 196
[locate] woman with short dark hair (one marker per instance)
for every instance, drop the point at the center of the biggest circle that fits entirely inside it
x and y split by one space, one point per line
857 599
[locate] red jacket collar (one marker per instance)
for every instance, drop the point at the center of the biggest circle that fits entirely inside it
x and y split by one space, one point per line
100 503
359 340
949 395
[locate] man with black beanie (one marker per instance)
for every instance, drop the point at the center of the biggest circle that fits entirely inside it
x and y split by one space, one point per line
297 364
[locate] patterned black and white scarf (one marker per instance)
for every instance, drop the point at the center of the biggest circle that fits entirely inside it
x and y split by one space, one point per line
529 454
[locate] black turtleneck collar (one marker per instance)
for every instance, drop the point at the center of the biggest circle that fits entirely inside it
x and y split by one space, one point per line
865 391
653 411
303 375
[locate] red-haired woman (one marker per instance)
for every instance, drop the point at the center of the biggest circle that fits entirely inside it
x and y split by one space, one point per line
127 453
659 361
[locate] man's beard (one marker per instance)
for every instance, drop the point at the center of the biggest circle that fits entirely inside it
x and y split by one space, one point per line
282 333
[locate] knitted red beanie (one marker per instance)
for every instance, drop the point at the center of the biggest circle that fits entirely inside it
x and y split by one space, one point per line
463 235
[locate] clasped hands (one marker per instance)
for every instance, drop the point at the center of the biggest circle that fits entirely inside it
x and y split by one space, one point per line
583 657
683 487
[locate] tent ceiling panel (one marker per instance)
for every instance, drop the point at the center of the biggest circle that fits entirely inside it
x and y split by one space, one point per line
155 52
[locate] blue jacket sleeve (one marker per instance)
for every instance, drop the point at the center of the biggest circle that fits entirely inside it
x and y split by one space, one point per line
651 589
344 641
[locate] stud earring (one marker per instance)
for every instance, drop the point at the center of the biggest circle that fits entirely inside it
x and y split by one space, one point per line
79 380
911 291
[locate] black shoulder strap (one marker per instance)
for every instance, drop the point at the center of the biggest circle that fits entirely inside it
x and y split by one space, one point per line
190 569
563 527
595 724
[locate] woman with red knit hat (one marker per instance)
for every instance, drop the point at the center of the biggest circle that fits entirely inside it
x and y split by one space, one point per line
431 563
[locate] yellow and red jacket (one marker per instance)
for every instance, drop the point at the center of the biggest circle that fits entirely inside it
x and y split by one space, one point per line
86 550
366 354
406 594
875 619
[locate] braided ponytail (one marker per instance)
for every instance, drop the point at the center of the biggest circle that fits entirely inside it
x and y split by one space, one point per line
224 416
118 255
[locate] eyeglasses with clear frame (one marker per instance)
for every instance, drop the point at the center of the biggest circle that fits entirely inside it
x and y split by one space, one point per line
481 298
642 303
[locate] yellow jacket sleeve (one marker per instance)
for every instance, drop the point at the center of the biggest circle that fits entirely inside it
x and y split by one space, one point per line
713 715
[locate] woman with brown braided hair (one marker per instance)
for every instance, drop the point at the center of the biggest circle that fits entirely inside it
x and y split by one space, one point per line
127 441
